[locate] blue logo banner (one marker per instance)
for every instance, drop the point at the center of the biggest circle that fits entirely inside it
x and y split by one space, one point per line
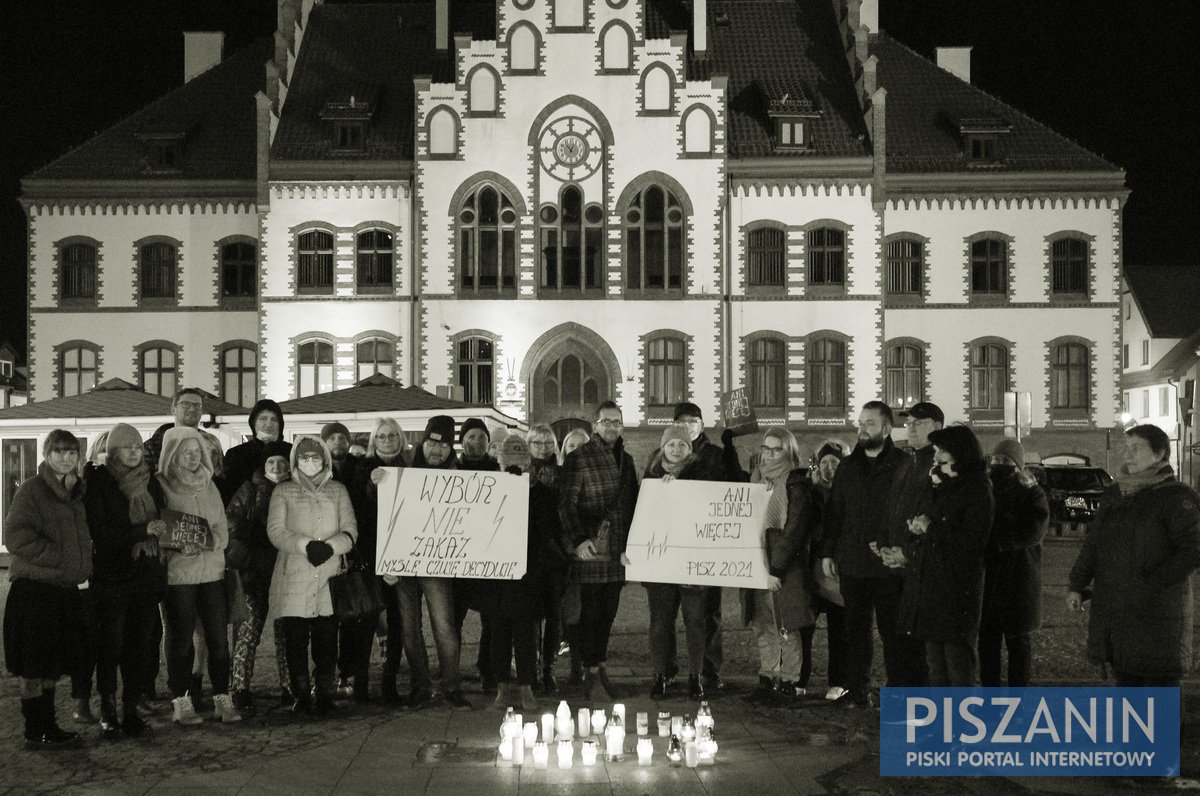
1030 732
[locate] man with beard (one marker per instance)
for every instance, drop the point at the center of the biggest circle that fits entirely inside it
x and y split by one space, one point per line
856 527
266 424
598 487
337 438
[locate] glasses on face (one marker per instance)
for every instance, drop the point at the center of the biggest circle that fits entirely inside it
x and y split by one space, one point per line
190 404
542 443
770 450
309 457
609 423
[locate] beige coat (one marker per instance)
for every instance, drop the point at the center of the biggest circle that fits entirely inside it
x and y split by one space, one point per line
303 510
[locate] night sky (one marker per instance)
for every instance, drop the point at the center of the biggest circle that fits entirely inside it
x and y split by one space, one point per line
1118 77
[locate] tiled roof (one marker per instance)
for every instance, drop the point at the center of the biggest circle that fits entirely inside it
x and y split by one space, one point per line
376 393
927 106
772 50
215 112
378 46
113 398
1167 296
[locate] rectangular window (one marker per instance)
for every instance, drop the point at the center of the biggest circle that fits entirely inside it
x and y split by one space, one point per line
476 363
375 255
826 257
664 372
1145 403
1069 374
989 267
157 271
792 134
1164 402
768 375
765 257
78 271
314 252
1069 266
989 377
1125 355
904 261
239 376
20 464
238 271
1145 352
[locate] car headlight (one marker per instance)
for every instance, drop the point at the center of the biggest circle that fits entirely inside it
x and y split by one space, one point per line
1076 502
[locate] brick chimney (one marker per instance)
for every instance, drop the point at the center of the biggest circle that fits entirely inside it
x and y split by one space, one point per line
700 28
202 50
442 24
956 61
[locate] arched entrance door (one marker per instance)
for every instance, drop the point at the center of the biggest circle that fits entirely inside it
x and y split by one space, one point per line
568 383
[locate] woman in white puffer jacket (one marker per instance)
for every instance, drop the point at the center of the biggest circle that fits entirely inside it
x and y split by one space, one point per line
312 524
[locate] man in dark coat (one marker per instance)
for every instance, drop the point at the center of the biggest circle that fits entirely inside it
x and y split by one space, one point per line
1140 552
598 491
337 438
1012 586
856 527
266 425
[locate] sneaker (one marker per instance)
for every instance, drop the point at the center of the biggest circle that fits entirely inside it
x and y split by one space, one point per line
345 687
563 649
183 712
224 710
835 692
457 700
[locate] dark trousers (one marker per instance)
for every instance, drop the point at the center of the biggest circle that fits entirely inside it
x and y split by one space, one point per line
463 594
598 609
355 639
513 638
1020 657
184 605
666 600
322 631
126 639
714 650
835 631
393 645
951 663
85 662
553 588
903 657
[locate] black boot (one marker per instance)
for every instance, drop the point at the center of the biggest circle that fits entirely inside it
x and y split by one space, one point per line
301 696
52 733
35 729
131 723
549 683
658 689
695 690
110 728
326 688
361 693
387 689
196 693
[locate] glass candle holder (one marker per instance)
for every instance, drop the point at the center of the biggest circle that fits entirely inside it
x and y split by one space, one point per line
619 710
506 749
675 751
689 731
598 722
615 741
566 753
518 750
645 751
691 755
588 752
664 724
643 723
541 754
530 734
547 727
585 721
706 751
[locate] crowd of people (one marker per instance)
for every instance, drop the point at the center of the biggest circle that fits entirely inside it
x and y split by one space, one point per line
936 549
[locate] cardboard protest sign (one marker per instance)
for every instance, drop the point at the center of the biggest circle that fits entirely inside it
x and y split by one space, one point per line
183 528
737 414
702 533
452 524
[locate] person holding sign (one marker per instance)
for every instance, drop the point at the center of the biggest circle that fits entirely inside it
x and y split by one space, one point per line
45 530
195 574
311 523
676 458
598 492
778 614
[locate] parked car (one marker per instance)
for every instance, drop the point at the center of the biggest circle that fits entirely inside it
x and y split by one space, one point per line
1073 490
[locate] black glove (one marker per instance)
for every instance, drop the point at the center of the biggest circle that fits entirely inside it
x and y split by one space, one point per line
318 552
727 437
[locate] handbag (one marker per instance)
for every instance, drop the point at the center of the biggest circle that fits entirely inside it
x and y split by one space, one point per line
236 609
827 587
355 590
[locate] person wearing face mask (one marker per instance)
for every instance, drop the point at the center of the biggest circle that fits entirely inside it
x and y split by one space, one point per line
311 523
385 449
827 598
435 452
779 613
46 533
251 553
1012 585
128 575
1138 558
677 459
195 577
266 425
943 586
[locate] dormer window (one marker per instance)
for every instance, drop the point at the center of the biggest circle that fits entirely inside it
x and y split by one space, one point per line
982 138
349 112
793 121
6 368
163 152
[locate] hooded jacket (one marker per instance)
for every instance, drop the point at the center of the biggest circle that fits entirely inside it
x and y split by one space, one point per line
46 531
302 510
242 460
208 565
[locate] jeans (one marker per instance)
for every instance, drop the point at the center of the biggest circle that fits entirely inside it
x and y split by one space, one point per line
598 609
126 639
323 631
778 651
184 605
951 663
1020 657
438 595
903 657
509 637
665 600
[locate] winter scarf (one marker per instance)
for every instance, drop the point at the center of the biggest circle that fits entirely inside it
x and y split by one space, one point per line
132 481
1132 483
774 474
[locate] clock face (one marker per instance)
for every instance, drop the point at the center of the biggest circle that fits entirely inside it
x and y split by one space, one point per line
570 148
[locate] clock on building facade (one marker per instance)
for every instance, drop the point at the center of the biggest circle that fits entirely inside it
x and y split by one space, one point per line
570 148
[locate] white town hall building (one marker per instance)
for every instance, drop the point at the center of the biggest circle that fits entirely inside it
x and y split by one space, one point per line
547 203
